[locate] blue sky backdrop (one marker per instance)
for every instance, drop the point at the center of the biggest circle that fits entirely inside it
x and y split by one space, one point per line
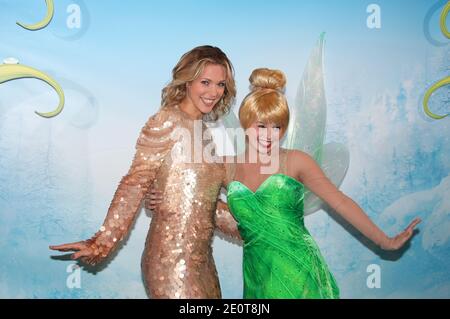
57 176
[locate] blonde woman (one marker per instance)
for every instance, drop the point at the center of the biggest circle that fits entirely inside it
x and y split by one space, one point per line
281 259
177 261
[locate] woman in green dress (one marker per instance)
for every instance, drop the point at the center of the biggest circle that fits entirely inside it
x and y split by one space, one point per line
266 193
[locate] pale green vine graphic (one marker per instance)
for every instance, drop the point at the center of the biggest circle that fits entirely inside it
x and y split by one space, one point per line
443 20
45 22
445 81
12 70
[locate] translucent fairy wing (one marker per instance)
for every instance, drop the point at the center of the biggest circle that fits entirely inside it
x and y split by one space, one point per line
335 162
307 126
308 116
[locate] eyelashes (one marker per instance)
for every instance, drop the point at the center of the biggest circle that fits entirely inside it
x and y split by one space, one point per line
263 126
206 82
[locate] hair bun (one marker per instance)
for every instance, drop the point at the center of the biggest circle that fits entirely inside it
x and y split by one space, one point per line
264 78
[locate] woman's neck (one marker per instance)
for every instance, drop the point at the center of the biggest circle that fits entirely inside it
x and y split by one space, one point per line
189 108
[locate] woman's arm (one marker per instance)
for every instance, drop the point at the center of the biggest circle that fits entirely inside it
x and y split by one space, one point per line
310 174
152 146
225 221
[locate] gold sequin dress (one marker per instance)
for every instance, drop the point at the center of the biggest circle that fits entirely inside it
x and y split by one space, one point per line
177 261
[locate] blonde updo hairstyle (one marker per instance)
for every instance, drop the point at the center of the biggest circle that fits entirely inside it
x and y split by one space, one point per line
189 68
266 102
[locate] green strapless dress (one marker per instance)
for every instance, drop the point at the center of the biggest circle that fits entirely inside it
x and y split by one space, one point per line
281 259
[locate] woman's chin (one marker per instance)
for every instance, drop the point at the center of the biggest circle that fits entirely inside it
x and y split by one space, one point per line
269 149
205 109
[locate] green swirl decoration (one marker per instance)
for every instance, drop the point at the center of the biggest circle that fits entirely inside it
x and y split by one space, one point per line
45 22
445 81
10 72
443 20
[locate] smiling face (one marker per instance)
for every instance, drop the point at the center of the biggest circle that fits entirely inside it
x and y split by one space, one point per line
264 137
203 93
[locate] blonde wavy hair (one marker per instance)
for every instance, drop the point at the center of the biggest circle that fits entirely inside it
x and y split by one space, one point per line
266 102
190 66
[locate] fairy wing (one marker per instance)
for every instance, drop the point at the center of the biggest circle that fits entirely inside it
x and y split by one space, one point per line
234 132
307 126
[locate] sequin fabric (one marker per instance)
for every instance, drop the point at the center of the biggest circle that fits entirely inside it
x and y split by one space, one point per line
177 261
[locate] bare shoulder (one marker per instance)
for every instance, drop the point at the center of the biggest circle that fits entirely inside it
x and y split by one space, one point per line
230 163
300 162
230 167
298 156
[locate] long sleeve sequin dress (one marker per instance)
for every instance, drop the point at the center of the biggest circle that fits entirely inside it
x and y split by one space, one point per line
177 261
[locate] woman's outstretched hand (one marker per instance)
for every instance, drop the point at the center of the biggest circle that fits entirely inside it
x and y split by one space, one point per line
82 251
398 241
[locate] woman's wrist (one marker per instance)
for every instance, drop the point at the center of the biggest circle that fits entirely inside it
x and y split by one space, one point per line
385 241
